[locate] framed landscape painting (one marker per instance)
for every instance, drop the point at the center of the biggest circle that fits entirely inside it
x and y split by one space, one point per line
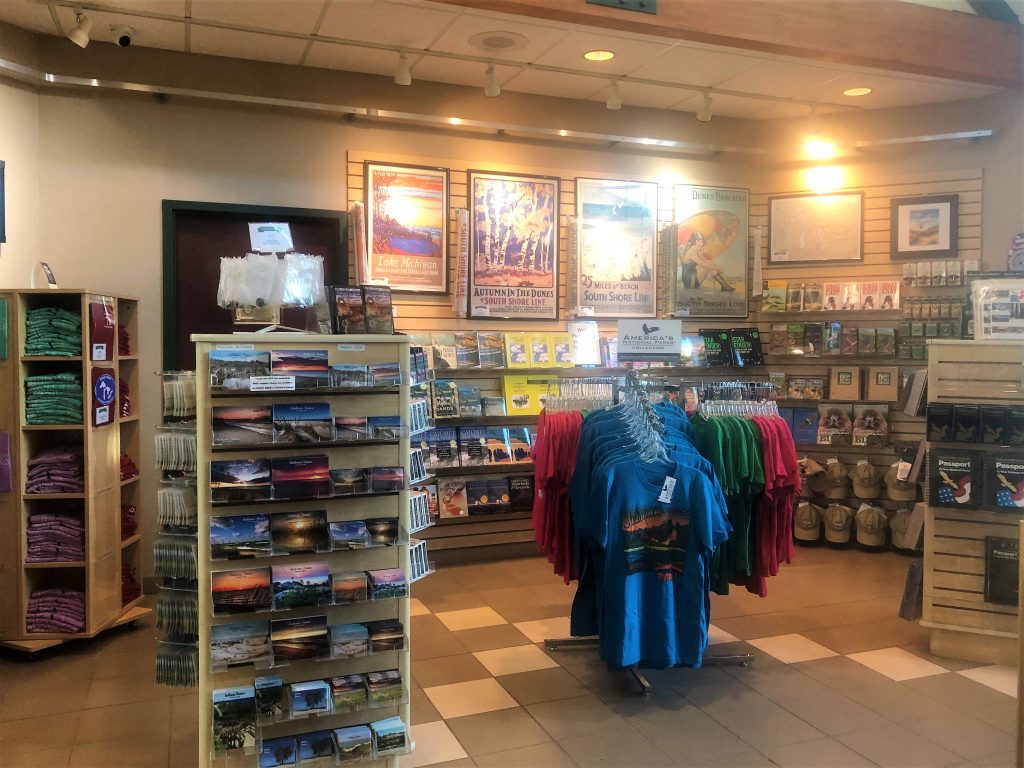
513 270
407 226
924 227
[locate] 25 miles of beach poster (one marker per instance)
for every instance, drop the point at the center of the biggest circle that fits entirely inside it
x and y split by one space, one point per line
514 246
709 274
618 235
407 227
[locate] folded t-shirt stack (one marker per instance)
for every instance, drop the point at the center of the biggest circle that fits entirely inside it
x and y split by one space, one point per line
56 470
130 587
124 395
128 468
53 331
53 398
54 538
124 343
129 525
56 610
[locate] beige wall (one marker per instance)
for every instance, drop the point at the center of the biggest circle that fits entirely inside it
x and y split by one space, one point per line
19 149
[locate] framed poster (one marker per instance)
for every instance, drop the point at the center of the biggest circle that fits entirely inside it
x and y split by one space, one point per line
513 270
617 225
709 269
407 226
816 228
3 205
924 227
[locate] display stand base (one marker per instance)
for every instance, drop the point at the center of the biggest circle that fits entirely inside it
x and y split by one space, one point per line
34 646
644 685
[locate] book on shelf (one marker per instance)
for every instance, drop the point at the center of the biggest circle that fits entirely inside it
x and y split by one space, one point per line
379 310
814 335
883 382
445 357
1002 570
849 340
885 341
519 445
470 402
473 446
452 500
497 447
869 296
717 348
777 380
795 334
499 493
812 299
442 447
774 296
889 291
851 297
794 296
520 493
491 346
467 350
517 350
561 349
831 296
835 425
805 425
540 350
586 342
844 382
778 339
493 406
445 398
745 344
833 341
349 311
866 341
870 424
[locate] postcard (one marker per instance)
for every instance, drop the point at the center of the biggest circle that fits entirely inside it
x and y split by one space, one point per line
234 718
243 642
344 375
349 587
301 585
232 368
349 534
240 591
316 746
298 532
302 423
386 635
385 374
269 698
239 536
351 428
308 366
387 479
348 692
349 640
240 480
277 753
312 697
384 427
383 531
349 481
354 742
242 425
384 687
389 735
388 582
300 477
302 638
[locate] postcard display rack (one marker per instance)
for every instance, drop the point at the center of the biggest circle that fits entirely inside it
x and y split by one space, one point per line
974 493
67 570
330 708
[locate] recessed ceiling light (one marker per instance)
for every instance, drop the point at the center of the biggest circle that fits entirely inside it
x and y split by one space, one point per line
856 92
599 55
454 121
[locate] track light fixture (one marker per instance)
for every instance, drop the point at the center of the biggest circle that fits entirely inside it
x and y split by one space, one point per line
614 100
705 110
80 34
403 76
491 87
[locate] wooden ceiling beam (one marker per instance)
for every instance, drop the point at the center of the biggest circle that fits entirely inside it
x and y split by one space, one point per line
884 34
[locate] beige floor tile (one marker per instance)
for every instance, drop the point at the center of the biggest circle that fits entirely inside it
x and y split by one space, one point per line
488 638
791 649
417 608
1002 679
445 670
540 630
435 744
38 758
718 636
470 618
469 698
52 731
897 664
121 752
546 755
542 685
150 722
510 661
497 731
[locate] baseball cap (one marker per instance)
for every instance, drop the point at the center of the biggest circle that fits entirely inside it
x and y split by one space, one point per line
865 481
838 519
807 521
898 525
899 490
838 482
814 476
871 522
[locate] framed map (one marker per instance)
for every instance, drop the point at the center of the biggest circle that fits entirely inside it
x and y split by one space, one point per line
618 234
407 227
816 228
513 258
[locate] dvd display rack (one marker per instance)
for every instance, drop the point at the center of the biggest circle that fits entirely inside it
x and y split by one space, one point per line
325 693
69 440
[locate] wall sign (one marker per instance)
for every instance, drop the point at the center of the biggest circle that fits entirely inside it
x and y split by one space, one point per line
271 237
617 225
513 270
648 341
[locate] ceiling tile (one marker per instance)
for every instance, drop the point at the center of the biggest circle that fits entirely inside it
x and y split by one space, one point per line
724 106
554 84
386 22
279 15
696 66
29 15
165 7
246 45
350 59
146 33
893 91
779 78
640 95
782 110
629 53
540 38
457 72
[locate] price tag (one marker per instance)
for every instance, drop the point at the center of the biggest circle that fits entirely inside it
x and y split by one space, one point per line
244 347
666 490
833 460
585 312
271 383
903 470
351 347
99 351
481 311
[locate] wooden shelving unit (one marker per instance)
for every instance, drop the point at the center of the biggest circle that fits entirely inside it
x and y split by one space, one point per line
370 401
98 576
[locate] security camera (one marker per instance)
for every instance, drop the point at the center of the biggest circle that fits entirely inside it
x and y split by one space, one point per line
122 36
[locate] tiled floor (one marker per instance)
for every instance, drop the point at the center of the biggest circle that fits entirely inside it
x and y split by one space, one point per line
837 681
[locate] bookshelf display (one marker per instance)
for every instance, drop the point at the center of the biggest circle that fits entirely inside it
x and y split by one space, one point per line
320 581
72 435
965 513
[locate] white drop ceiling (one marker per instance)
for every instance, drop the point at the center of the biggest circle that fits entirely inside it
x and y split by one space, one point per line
310 33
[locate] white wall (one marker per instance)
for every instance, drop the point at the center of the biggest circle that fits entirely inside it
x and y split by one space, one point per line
19 149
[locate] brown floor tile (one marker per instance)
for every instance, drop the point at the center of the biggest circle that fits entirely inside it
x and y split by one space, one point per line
435 645
422 710
765 723
137 687
120 752
679 729
615 747
117 664
129 722
815 754
39 758
20 702
489 638
497 731
964 735
547 755
961 693
577 716
466 762
542 685
424 626
748 759
855 638
184 750
893 745
448 670
51 731
184 712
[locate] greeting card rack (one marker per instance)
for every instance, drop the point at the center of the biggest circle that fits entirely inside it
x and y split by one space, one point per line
350 350
64 543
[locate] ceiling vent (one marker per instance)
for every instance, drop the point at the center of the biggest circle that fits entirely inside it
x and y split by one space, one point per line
498 42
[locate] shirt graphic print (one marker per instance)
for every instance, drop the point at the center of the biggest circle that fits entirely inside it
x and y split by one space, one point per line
655 539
